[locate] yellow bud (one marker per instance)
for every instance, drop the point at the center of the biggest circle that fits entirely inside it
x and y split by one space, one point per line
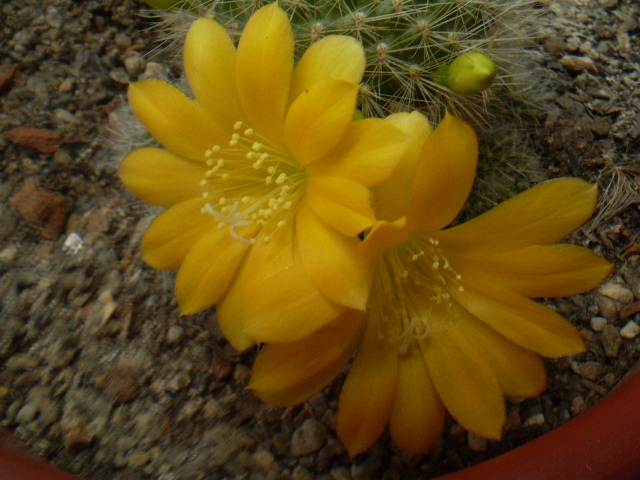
468 74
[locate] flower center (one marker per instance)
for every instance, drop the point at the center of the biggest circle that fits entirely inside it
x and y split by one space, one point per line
411 281
252 184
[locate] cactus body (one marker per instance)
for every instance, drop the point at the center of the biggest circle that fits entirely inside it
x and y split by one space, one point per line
406 41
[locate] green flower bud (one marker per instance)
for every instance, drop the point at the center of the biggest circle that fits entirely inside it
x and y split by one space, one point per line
468 74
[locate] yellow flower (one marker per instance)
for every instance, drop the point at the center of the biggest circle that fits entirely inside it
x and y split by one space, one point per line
265 172
449 324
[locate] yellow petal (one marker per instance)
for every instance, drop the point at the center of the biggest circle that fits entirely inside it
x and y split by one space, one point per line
369 151
367 396
334 56
393 196
210 62
332 261
172 234
523 321
159 177
229 310
175 120
289 373
538 271
318 118
383 236
463 379
541 215
281 303
286 307
207 270
342 203
520 372
444 176
264 64
418 415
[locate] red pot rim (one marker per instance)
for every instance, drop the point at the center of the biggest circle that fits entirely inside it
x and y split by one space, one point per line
601 444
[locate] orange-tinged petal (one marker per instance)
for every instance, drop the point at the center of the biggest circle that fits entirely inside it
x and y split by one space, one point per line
383 236
417 417
541 215
289 373
159 177
367 396
281 303
318 118
520 372
369 151
537 271
332 261
209 61
334 56
444 176
207 270
264 64
392 198
229 310
175 120
172 234
340 202
523 321
286 306
464 380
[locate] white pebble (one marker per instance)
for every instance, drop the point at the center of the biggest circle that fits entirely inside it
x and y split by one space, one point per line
537 419
630 330
616 292
598 323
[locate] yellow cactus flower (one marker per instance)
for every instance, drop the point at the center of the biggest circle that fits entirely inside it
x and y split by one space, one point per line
266 177
450 324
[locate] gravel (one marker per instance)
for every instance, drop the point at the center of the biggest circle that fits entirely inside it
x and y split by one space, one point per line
100 374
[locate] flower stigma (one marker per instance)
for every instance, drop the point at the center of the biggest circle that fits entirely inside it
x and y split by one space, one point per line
252 184
413 278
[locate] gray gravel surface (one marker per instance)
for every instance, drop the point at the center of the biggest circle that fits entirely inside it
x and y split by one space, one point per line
98 372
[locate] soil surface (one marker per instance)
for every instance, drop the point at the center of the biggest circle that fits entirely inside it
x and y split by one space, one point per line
99 374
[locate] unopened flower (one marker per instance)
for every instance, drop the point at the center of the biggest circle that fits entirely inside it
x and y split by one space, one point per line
470 73
265 173
450 324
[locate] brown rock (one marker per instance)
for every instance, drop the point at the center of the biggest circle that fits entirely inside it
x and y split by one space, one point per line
119 384
43 209
577 64
44 141
7 73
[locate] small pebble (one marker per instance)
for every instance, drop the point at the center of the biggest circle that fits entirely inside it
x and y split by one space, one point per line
590 370
598 323
608 307
309 438
611 340
476 443
616 292
577 64
138 459
537 419
630 330
8 254
53 17
263 460
134 64
175 334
